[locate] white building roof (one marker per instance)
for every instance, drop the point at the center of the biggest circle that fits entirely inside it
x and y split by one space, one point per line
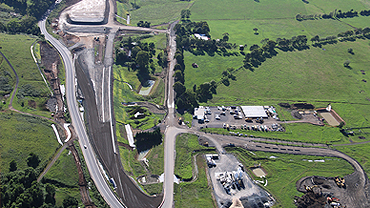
254 111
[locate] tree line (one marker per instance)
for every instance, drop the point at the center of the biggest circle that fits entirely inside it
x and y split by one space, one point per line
138 56
30 11
257 54
336 14
147 140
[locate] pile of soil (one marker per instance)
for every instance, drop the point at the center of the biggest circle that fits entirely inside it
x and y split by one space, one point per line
303 106
284 105
312 199
297 115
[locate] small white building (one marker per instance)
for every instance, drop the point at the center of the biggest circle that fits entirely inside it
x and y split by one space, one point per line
201 36
199 113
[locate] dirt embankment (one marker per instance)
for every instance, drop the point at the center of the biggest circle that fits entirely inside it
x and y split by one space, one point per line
85 196
50 61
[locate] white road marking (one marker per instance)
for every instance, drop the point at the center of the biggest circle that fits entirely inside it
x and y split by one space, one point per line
110 111
102 96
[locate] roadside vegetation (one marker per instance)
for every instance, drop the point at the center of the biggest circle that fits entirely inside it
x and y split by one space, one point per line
187 146
284 170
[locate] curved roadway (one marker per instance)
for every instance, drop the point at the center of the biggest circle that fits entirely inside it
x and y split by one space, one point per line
77 122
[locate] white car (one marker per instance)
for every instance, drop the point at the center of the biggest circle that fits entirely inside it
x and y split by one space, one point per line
217 117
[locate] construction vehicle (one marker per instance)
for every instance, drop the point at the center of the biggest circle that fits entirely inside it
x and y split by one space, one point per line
341 182
259 120
309 188
248 119
181 119
332 199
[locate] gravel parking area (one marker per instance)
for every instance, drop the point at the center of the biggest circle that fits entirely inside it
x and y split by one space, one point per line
227 117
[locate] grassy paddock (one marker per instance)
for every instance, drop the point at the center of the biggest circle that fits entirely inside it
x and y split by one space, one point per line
154 11
20 135
285 170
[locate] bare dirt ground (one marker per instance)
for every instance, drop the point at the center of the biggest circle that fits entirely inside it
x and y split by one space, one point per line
50 60
352 195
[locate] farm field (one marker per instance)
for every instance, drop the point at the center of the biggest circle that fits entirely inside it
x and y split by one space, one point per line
284 170
154 11
20 135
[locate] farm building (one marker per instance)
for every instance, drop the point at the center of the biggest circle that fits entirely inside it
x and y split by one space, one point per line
254 111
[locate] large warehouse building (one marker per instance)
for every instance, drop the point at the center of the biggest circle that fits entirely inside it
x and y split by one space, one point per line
254 111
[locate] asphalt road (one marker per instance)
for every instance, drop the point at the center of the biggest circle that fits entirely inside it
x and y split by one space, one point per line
171 131
77 122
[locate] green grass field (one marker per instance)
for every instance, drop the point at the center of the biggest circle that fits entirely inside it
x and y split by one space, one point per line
130 164
64 170
285 170
20 135
27 71
196 194
154 11
156 160
185 145
295 132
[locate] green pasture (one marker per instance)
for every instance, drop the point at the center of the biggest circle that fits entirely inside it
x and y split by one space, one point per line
160 41
64 170
241 31
210 67
284 171
20 135
240 10
195 194
268 9
154 11
313 74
